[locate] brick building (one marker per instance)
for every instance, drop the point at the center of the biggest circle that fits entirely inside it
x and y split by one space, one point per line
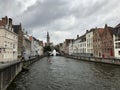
97 42
107 42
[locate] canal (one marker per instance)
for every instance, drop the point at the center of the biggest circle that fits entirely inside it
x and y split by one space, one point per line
60 73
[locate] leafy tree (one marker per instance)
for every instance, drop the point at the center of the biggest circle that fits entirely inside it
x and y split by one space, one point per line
47 48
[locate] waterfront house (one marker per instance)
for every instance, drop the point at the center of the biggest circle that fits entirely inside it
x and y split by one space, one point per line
82 45
107 42
66 45
97 42
40 48
79 45
116 39
19 31
36 47
8 41
26 47
89 42
71 44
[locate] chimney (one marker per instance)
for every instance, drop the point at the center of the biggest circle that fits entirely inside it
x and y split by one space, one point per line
5 20
77 36
10 24
105 25
26 32
10 21
20 26
86 31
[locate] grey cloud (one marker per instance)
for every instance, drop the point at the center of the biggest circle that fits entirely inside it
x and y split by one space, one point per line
55 15
42 14
10 8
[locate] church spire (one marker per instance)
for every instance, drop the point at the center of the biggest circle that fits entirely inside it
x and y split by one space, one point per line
48 38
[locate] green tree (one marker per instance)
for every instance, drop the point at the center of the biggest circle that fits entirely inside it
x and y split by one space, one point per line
47 48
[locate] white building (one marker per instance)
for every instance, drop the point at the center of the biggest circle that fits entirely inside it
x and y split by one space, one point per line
82 45
116 39
70 48
36 47
39 47
8 41
89 42
26 47
78 47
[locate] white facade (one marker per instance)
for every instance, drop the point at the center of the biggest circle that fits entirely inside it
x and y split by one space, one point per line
40 50
82 47
8 44
89 42
27 47
33 47
71 48
76 46
36 48
116 40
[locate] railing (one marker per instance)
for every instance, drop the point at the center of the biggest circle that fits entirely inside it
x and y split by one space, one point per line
11 70
8 73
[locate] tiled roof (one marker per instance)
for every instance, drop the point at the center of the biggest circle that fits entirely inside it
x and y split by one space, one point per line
116 31
118 26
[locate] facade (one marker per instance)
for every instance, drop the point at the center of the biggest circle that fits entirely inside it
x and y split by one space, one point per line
71 47
40 48
33 46
89 42
26 47
75 46
61 49
36 47
66 45
97 42
18 30
116 39
78 46
107 42
8 41
82 45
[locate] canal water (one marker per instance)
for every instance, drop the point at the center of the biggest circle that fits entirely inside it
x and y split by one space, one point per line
60 73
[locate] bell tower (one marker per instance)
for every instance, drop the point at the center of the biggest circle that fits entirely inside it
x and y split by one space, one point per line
48 38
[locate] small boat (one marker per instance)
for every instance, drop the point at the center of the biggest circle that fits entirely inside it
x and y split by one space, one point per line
25 69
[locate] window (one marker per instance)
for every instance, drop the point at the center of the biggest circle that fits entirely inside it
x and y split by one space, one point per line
13 45
118 52
117 38
117 45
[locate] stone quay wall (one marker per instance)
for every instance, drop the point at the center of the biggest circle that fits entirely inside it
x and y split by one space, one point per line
9 71
95 59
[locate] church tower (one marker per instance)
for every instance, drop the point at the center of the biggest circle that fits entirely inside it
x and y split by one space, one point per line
48 38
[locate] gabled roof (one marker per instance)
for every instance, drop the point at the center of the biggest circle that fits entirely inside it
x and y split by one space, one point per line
117 31
117 26
110 29
100 31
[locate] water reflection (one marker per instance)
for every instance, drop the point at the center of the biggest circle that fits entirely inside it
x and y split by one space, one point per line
67 74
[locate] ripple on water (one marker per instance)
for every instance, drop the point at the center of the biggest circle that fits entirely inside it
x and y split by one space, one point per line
68 74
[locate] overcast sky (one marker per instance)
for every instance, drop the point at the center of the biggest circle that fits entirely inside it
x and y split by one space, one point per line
63 19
